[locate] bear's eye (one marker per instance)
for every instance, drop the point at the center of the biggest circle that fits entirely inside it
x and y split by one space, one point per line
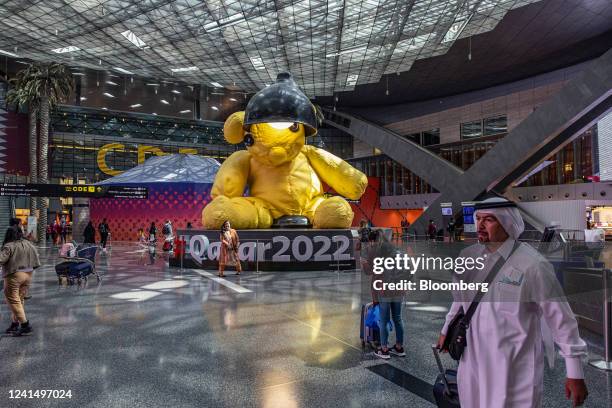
295 127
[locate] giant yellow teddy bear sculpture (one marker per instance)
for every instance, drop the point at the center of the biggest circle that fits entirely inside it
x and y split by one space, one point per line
284 176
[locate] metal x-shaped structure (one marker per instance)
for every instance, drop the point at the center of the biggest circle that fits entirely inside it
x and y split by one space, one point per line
576 107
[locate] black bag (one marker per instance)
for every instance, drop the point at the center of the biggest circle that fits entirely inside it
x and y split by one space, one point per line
455 341
165 230
445 389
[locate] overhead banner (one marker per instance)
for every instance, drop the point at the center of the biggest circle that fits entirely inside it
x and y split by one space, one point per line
273 250
72 190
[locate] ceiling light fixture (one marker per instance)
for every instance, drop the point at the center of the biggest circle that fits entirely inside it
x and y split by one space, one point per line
104 108
185 111
108 95
133 38
184 69
216 85
123 71
257 63
455 30
10 54
165 102
224 22
349 50
111 83
151 84
174 91
351 79
63 50
136 105
83 98
155 114
214 108
233 99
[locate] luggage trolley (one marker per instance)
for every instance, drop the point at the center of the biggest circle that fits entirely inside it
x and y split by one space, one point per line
79 267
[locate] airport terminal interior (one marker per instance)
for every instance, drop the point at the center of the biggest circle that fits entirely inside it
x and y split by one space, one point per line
198 198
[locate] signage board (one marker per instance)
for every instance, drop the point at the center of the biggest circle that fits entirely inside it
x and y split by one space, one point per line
72 190
273 249
469 224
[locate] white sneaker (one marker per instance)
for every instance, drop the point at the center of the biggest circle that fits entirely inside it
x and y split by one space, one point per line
380 353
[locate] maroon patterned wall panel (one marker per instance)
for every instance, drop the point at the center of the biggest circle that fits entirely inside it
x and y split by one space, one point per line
178 202
14 158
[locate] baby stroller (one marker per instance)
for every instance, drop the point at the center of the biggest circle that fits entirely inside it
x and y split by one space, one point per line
79 267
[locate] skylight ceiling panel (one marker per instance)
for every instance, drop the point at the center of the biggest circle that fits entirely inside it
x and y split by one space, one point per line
17 22
158 15
11 4
485 6
440 49
507 4
483 26
83 6
521 3
31 13
48 6
168 53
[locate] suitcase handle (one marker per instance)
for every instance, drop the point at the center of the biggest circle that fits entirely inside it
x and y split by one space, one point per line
436 353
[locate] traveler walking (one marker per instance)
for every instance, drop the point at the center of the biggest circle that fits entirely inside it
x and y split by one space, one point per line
502 362
18 258
89 234
451 230
432 230
104 230
152 233
228 254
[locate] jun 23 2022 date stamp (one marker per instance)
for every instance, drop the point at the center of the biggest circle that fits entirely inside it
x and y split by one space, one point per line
40 394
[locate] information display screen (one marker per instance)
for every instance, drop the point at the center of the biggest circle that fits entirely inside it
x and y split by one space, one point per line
447 211
72 190
468 215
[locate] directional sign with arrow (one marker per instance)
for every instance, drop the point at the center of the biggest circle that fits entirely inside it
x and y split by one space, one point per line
76 190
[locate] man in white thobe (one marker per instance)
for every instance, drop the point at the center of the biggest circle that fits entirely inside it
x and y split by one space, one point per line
503 363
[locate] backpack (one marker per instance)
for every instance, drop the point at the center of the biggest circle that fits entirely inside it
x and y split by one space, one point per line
102 229
165 229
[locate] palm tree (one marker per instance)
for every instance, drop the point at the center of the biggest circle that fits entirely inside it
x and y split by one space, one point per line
49 84
18 96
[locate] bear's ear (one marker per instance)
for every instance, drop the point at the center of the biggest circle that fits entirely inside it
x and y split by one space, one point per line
232 129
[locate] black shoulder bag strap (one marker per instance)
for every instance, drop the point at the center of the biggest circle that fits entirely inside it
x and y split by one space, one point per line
492 274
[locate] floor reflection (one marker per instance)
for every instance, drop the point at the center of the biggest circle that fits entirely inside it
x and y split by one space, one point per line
148 335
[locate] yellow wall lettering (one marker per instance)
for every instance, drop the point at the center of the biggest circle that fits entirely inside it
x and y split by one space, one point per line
143 150
102 158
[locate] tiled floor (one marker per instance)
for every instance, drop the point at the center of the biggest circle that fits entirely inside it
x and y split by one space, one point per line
151 336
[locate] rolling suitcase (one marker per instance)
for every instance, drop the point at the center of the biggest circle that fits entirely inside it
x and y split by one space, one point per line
367 334
445 389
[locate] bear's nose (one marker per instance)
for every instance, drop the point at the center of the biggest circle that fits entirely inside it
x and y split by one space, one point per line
278 154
